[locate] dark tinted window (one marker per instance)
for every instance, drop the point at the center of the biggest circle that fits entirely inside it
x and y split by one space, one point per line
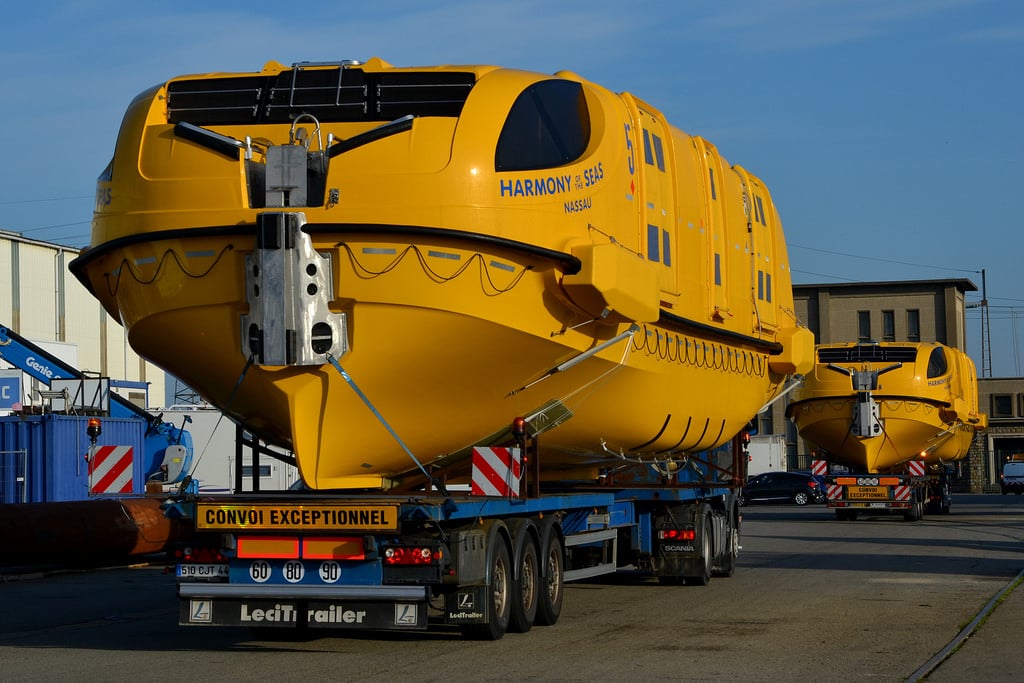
548 126
937 363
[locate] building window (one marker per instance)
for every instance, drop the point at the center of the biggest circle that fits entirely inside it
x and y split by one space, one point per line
888 326
863 326
914 325
264 470
1002 405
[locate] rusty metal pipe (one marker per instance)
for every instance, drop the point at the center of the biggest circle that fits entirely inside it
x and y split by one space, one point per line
89 532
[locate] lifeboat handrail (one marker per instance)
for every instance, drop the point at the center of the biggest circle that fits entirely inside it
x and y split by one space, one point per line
863 380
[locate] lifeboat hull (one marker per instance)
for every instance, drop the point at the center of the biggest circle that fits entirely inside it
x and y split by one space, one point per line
440 379
913 430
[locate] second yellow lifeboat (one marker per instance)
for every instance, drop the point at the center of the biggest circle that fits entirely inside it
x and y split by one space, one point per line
873 407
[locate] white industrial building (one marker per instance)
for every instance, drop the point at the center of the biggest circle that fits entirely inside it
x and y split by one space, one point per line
43 302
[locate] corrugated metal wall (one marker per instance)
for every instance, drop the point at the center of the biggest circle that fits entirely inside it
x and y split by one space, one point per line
43 302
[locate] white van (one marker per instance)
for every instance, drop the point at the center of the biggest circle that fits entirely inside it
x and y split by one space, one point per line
1012 480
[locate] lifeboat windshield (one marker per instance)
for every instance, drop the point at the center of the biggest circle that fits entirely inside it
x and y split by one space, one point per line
548 126
937 365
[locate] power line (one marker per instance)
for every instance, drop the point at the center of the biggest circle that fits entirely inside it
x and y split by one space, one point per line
59 225
877 258
835 277
50 199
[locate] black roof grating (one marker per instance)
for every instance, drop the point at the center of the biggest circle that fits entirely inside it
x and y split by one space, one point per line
872 353
338 94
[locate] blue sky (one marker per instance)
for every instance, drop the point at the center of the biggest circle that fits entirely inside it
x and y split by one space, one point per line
890 132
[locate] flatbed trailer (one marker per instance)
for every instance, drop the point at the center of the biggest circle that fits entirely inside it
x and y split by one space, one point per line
485 564
912 492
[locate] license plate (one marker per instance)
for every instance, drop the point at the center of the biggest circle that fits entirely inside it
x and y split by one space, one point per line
867 493
202 571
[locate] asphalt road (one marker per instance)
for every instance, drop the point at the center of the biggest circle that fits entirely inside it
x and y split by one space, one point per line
812 599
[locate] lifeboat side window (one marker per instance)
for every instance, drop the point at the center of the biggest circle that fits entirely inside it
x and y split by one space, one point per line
937 366
548 126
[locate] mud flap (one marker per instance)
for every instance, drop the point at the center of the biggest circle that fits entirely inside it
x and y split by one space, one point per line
467 605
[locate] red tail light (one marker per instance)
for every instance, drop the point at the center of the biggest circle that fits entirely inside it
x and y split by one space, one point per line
398 555
199 554
677 534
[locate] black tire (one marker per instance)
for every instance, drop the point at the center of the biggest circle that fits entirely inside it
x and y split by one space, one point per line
703 576
552 577
916 511
801 498
846 515
525 587
732 552
498 595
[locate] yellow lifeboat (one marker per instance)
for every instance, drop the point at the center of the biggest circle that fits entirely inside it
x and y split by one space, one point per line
874 407
380 267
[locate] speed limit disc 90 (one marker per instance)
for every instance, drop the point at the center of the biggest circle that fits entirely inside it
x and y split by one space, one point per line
330 571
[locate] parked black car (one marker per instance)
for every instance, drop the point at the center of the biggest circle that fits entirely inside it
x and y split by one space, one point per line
782 487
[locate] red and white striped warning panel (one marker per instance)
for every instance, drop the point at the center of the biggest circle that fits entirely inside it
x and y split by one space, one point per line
835 492
110 470
496 472
902 493
915 468
819 467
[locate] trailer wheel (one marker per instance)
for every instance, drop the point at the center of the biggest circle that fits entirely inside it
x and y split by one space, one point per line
705 559
499 594
916 511
732 551
552 577
844 515
525 588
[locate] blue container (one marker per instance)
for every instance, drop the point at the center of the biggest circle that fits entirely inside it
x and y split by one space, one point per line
54 466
